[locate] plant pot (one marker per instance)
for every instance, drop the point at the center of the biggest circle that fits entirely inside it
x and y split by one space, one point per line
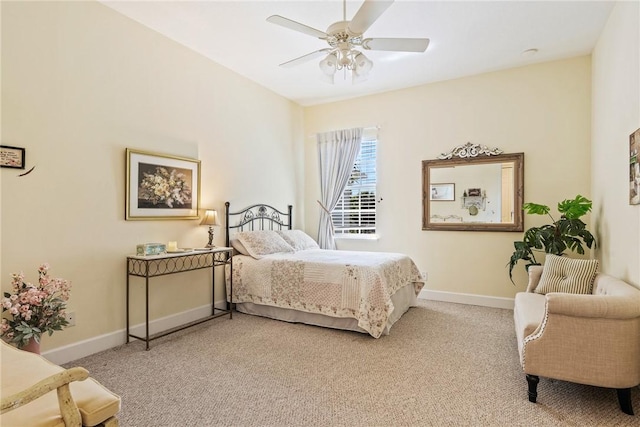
32 346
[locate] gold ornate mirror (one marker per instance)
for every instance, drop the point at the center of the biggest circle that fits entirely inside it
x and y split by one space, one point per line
473 188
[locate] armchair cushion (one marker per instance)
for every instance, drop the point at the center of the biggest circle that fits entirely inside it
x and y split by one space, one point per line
568 275
529 314
21 369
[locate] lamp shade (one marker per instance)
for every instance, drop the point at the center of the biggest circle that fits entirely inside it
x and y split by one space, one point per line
210 218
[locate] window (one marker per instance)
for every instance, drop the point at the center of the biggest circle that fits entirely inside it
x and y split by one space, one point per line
355 212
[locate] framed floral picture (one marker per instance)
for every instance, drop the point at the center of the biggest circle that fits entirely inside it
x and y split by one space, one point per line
160 186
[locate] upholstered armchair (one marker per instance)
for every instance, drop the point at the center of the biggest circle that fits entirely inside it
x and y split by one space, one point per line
591 338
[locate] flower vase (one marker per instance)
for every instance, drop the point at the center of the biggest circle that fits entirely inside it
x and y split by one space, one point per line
32 346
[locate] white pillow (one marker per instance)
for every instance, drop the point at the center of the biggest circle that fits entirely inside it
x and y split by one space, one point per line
262 242
298 239
569 275
235 244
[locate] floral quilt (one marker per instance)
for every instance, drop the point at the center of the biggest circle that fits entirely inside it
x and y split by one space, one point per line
351 284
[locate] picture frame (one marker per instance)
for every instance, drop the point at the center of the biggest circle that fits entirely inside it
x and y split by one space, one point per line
442 192
12 157
474 192
161 186
634 168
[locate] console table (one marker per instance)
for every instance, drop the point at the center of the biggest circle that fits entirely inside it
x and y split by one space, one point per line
171 263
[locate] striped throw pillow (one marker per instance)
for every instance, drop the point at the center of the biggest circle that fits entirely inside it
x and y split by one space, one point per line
562 274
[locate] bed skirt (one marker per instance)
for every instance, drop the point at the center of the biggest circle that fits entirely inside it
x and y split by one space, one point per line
402 300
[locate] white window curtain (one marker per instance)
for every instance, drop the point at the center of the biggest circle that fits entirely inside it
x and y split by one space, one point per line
337 153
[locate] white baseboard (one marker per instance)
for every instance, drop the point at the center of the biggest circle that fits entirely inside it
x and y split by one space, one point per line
78 350
470 299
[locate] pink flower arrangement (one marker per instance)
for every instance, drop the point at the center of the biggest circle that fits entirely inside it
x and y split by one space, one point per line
34 309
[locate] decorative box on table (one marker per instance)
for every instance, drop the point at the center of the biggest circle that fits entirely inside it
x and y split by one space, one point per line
151 249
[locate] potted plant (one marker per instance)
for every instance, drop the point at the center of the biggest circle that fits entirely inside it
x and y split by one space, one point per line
568 232
34 309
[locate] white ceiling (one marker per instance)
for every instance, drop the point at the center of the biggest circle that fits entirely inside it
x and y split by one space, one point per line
467 38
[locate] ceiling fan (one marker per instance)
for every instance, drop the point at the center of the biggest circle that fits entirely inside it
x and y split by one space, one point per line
346 37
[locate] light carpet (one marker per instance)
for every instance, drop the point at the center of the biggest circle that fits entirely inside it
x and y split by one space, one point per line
443 364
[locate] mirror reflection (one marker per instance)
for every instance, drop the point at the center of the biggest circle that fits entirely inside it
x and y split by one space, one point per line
476 194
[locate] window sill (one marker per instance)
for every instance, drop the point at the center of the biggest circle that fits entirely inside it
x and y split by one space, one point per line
357 237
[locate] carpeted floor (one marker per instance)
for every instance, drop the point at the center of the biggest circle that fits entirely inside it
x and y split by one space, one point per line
442 365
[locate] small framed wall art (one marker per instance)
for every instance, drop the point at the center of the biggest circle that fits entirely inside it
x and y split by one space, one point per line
634 168
12 157
161 186
443 192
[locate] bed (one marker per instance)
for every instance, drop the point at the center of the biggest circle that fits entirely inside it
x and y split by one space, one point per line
281 273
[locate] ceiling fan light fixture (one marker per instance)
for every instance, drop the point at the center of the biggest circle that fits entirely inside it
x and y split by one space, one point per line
329 64
363 65
358 78
346 60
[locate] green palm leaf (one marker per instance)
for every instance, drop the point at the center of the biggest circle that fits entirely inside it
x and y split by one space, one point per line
567 233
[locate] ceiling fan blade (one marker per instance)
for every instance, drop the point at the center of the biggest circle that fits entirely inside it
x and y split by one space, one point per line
296 26
367 15
396 45
304 58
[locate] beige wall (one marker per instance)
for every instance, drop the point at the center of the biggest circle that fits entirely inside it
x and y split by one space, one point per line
616 114
80 83
542 110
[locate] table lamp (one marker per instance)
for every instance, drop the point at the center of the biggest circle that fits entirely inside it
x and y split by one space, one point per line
210 219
